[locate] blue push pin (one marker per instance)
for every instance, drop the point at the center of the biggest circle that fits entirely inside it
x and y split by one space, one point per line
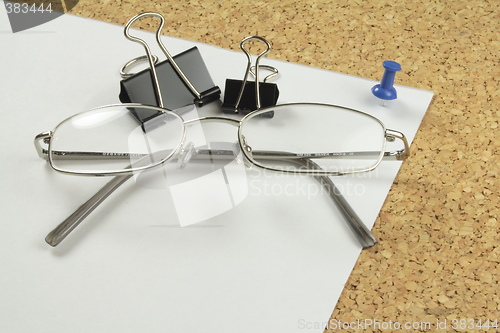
385 90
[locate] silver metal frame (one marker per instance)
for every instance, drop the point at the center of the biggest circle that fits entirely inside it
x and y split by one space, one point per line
362 233
249 154
93 155
390 135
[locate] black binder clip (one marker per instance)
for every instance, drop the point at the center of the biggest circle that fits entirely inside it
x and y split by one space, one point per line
243 96
184 78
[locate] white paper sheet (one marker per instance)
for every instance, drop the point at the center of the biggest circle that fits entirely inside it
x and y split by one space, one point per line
274 262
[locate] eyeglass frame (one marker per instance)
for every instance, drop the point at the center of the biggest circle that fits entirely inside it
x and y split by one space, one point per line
390 135
363 234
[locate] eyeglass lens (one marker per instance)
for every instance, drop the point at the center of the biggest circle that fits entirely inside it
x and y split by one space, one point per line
112 139
335 138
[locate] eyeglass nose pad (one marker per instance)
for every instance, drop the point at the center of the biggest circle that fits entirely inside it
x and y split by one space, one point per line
248 165
184 155
242 158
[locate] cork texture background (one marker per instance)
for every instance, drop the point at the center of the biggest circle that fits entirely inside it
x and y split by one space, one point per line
438 254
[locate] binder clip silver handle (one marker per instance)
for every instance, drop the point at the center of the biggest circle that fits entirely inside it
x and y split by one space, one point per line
273 70
150 57
124 70
249 65
244 96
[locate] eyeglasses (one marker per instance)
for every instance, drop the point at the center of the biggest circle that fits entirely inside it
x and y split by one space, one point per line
305 138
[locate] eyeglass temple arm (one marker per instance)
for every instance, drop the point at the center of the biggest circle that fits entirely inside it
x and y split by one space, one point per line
71 222
362 233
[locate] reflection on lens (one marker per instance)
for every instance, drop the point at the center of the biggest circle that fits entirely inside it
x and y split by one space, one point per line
308 136
115 139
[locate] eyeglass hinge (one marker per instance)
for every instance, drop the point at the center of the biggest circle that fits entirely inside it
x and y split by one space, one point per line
45 138
400 155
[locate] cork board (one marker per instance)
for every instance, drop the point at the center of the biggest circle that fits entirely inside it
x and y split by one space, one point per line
437 258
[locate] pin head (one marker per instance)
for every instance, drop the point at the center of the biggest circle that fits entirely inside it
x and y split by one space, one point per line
392 65
385 90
